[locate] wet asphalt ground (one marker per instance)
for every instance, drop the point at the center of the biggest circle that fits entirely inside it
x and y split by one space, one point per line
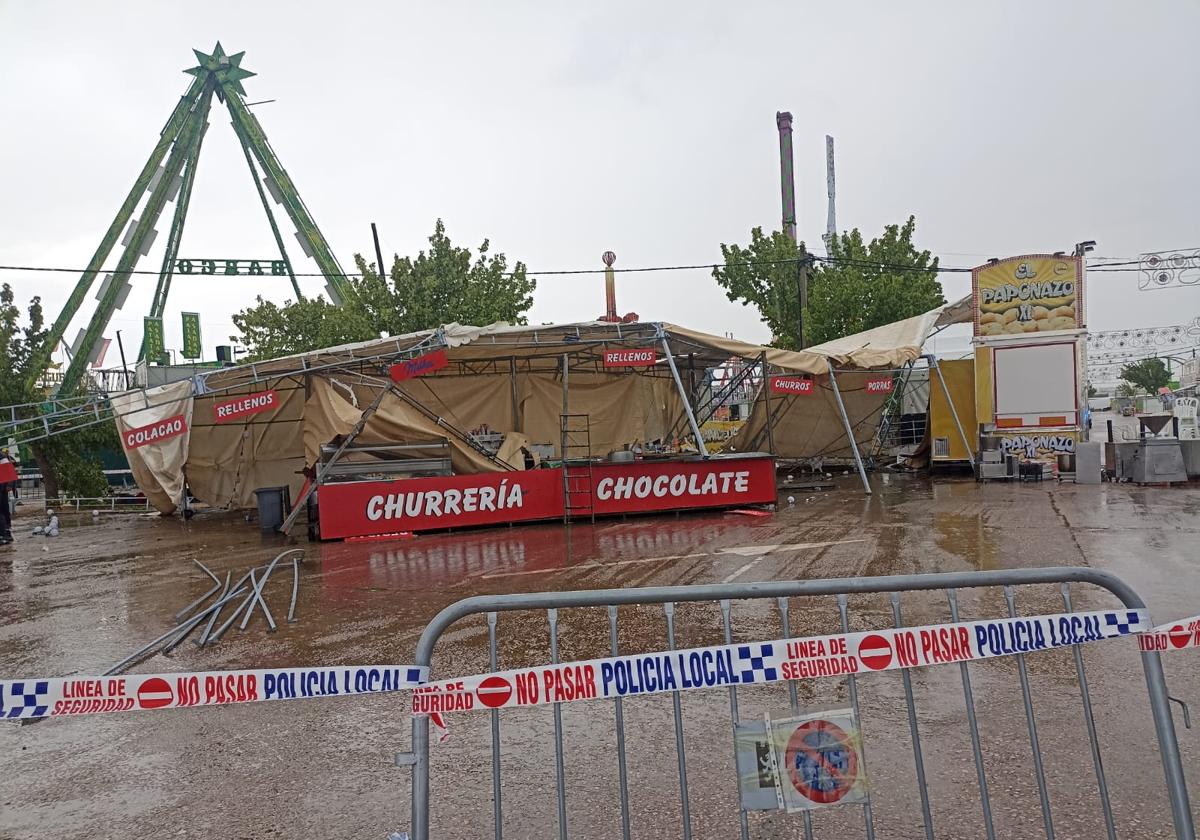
324 768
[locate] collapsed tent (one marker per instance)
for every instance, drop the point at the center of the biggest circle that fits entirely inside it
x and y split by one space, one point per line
499 398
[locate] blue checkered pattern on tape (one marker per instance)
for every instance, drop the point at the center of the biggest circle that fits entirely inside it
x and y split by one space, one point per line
1123 622
24 699
752 659
414 675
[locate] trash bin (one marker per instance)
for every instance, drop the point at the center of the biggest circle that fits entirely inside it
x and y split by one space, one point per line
273 506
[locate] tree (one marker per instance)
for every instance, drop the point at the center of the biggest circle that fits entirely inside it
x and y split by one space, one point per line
861 285
1092 392
442 285
69 462
1150 374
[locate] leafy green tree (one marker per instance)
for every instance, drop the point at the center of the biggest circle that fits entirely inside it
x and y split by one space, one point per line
269 331
1149 374
862 285
438 286
70 462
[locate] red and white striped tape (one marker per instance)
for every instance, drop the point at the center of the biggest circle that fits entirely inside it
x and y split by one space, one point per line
774 661
59 696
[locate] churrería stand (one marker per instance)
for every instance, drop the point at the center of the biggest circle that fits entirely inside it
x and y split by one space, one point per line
475 426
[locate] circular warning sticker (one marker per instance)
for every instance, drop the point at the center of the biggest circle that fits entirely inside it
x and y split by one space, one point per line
494 691
875 652
821 761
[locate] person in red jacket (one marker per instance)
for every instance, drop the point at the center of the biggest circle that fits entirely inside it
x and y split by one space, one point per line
8 479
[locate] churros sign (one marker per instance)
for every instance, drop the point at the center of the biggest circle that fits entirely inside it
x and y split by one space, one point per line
1033 293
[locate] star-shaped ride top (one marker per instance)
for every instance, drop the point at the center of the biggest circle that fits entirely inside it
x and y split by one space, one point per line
225 69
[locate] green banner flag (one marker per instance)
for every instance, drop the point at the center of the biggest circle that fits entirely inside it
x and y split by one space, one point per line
191 336
153 344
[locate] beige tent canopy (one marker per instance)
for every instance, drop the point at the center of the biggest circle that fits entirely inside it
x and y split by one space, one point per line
517 380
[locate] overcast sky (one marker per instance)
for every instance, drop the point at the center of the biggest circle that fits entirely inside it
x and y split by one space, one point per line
562 130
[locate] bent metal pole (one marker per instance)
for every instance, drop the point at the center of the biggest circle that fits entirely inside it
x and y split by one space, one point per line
862 472
687 403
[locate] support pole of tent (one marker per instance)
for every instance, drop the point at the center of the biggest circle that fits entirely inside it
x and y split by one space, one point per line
322 469
953 411
766 389
516 404
687 403
862 471
566 363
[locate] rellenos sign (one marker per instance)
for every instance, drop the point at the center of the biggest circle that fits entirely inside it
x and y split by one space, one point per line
246 406
155 432
629 358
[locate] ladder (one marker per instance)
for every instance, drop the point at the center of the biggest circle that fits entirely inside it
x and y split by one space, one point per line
576 451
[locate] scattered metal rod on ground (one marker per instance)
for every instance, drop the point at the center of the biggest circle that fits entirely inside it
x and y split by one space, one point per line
184 628
257 596
212 619
295 588
220 631
179 616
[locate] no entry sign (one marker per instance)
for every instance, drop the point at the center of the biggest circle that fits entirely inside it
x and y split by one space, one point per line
155 693
875 652
818 760
494 692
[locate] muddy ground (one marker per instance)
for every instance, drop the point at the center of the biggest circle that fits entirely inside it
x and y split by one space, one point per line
323 768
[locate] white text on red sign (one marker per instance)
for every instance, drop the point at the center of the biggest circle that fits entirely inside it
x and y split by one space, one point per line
629 358
791 384
246 406
155 432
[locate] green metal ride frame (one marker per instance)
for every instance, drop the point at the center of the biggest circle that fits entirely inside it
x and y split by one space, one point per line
221 75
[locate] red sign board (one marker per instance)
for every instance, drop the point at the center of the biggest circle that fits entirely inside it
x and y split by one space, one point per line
879 385
791 385
246 406
357 508
673 485
421 365
630 358
155 432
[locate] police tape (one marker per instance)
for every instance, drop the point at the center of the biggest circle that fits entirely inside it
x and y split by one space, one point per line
61 696
1177 635
774 661
618 676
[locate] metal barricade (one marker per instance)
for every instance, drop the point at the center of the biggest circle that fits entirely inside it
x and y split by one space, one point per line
978 786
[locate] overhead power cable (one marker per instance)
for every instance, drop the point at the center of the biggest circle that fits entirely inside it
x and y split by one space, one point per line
824 258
